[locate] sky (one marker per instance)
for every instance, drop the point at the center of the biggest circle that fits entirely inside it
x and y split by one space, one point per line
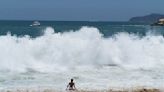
78 10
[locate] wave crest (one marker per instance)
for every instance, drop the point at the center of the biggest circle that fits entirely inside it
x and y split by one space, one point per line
86 47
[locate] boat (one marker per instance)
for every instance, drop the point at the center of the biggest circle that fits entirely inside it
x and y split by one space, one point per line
35 23
159 23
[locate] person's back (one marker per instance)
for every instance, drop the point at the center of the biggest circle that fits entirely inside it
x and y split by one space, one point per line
71 85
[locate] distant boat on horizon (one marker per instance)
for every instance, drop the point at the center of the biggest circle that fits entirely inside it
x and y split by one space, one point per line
35 23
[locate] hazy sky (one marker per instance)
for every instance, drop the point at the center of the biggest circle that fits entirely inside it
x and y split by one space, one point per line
98 10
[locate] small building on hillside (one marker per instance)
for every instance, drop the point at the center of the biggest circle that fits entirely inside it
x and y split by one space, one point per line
159 23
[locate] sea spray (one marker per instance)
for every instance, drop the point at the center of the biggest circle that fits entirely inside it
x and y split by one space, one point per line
123 59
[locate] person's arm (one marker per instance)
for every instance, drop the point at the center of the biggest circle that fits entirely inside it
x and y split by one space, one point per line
74 86
67 86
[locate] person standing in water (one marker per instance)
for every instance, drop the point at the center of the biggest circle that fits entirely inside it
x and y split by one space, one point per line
71 85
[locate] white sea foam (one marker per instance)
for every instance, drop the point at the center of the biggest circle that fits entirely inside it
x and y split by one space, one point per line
121 60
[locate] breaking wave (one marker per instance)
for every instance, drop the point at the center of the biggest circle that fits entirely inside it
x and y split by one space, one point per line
54 52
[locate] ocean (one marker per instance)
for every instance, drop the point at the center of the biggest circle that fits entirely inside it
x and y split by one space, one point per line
97 55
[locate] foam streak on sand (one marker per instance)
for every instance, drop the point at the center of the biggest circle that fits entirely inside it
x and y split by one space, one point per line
123 60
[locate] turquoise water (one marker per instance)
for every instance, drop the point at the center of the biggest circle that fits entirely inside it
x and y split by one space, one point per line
21 28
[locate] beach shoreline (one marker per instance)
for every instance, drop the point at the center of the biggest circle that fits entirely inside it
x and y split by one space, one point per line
48 89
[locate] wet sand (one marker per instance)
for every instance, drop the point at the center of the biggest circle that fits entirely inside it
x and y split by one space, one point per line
110 90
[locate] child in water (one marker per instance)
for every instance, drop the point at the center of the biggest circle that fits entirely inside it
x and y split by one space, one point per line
71 85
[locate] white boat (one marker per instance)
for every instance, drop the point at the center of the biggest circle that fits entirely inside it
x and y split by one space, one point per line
35 23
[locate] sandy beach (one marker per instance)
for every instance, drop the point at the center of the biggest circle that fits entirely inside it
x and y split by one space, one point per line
139 89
